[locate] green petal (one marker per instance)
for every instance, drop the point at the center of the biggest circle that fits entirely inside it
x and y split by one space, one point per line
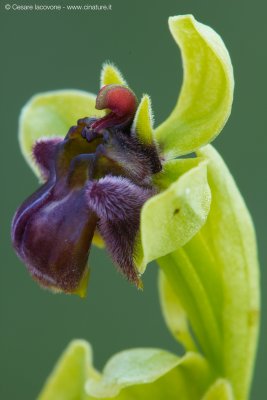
220 390
173 217
111 75
151 374
68 378
206 97
174 314
143 121
230 233
52 114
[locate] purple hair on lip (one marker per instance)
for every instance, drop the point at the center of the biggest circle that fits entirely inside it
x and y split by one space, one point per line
118 202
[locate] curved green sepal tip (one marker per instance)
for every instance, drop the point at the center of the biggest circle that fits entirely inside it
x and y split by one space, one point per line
52 114
174 216
110 75
206 97
174 314
143 121
230 233
220 390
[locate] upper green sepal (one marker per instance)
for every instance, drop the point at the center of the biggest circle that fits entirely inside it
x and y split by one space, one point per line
206 97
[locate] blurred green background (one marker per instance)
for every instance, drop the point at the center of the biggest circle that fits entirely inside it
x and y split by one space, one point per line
53 50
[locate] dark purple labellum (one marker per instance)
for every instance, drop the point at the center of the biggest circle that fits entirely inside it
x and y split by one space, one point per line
99 176
53 229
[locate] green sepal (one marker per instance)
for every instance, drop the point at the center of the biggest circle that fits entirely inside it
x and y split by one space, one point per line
172 217
206 96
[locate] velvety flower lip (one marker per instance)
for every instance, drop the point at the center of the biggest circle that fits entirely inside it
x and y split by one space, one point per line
98 177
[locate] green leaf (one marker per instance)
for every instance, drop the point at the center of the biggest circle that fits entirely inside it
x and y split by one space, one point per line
230 233
174 314
173 217
151 374
206 97
67 380
52 114
220 390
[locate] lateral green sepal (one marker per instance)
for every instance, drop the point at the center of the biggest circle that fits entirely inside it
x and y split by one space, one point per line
174 216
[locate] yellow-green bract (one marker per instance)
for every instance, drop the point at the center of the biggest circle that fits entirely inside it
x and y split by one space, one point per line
197 227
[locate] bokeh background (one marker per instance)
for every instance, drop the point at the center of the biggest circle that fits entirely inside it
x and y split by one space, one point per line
55 50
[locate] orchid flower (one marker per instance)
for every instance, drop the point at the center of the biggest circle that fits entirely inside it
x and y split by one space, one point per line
113 179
